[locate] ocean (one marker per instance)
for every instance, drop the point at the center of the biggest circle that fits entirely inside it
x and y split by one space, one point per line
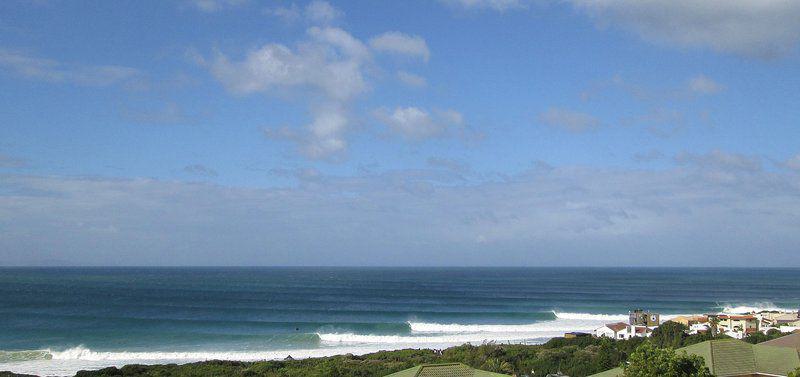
55 321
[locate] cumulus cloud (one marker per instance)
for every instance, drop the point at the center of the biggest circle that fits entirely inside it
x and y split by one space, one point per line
319 12
330 65
572 121
403 44
560 215
413 123
496 5
704 85
760 28
411 79
721 166
49 70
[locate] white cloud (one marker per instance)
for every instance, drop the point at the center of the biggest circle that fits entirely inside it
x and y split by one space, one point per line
704 85
210 6
323 137
321 11
329 65
718 159
399 43
569 120
53 71
316 12
411 79
761 28
413 123
560 215
497 5
793 163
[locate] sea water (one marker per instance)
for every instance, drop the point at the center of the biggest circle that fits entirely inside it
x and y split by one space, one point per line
55 321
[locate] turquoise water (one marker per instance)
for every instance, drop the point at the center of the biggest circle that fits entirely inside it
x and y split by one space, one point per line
108 316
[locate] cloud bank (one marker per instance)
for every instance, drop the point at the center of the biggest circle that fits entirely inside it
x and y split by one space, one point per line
708 206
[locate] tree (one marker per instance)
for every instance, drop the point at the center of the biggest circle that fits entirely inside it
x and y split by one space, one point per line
796 373
714 322
651 361
669 334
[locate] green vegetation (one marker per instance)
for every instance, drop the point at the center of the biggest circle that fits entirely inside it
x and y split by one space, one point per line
673 335
796 373
650 361
575 357
758 337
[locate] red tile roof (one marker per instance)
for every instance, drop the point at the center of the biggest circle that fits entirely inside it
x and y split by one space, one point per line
619 326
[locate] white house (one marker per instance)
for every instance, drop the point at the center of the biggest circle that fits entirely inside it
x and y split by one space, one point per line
612 330
699 328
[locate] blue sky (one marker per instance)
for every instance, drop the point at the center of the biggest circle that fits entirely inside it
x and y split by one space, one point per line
452 132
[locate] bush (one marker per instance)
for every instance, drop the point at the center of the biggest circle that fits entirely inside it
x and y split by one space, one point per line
650 361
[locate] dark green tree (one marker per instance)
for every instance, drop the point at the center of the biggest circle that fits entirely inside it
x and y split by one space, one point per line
651 361
669 334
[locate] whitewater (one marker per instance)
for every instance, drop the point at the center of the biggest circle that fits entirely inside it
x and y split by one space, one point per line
61 320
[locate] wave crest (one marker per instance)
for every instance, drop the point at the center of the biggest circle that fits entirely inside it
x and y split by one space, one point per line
753 307
591 317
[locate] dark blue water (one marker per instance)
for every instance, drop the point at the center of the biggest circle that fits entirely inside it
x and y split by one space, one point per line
113 310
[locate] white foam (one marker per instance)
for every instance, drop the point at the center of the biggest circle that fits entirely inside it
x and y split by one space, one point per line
423 341
70 361
592 317
754 307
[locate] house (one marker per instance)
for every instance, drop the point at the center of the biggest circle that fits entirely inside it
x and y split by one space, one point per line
735 358
736 326
699 328
612 330
690 320
638 331
640 317
444 370
622 330
778 319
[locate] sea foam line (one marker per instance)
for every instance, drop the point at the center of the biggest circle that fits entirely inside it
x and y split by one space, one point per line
753 307
83 353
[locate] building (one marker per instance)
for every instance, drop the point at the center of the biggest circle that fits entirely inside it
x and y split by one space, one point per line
622 330
690 320
612 330
778 319
735 358
444 370
737 326
640 317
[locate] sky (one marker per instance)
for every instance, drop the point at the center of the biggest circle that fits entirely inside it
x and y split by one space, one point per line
400 133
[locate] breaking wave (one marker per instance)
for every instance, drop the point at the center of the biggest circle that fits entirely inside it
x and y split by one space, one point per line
591 317
86 354
753 307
